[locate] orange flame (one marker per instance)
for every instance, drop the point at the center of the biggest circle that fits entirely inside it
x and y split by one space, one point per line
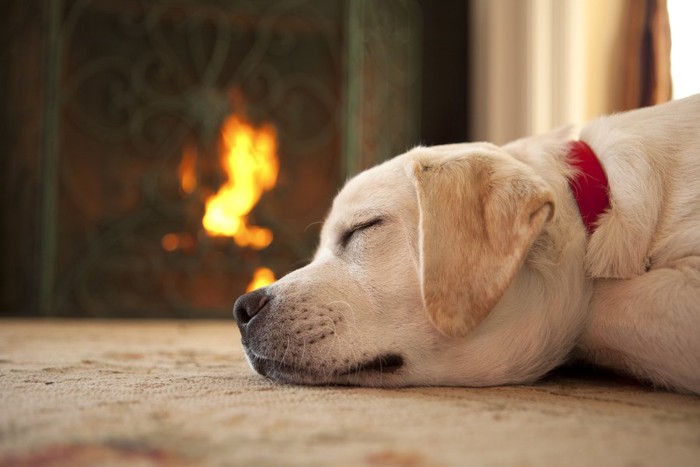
250 161
261 278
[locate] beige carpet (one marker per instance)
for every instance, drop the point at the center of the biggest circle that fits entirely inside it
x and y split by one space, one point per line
180 393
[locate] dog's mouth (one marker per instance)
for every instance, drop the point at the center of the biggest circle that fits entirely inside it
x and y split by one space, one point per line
388 363
381 365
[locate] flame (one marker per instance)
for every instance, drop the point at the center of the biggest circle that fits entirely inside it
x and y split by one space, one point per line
187 169
261 278
250 161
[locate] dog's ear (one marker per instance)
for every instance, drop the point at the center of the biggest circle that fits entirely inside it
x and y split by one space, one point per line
479 216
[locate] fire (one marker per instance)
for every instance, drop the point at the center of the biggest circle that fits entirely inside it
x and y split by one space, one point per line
249 159
261 278
187 170
251 163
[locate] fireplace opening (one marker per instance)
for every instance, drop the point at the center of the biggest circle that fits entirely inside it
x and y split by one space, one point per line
167 156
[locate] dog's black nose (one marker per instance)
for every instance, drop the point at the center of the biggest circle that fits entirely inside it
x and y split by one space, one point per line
249 305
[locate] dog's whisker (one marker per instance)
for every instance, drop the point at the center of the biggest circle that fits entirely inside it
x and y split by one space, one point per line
303 349
284 355
312 224
352 323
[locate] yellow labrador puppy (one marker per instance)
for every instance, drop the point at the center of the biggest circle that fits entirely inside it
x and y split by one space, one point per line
477 265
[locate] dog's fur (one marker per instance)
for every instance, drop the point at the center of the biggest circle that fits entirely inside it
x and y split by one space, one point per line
469 264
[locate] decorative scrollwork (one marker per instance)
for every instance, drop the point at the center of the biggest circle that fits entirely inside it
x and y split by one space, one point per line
143 79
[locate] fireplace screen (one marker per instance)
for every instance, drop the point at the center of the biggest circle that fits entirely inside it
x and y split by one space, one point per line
189 148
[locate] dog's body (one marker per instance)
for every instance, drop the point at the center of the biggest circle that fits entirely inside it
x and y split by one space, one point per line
469 264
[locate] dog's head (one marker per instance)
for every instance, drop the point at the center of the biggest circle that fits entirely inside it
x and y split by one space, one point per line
414 280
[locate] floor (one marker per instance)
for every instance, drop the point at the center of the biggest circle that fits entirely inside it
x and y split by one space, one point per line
149 393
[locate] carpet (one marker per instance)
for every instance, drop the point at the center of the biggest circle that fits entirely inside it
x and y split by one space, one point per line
173 393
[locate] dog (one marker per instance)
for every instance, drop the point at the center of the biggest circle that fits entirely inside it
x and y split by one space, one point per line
477 265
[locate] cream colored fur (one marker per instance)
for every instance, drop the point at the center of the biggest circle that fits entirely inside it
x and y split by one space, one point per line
478 270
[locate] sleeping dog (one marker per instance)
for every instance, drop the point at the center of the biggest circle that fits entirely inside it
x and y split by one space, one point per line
478 265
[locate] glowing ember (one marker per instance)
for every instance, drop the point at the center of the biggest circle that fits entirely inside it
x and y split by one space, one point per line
261 278
187 170
178 241
250 161
170 242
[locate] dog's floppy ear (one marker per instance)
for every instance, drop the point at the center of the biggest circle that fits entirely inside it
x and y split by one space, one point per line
479 215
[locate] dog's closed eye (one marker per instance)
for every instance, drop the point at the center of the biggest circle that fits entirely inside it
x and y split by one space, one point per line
348 234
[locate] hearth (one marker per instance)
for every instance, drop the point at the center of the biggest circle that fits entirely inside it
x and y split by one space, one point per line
169 155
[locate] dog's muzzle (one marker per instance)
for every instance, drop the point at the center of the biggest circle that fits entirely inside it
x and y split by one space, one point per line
292 347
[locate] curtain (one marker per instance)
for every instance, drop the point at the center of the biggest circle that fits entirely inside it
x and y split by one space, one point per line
647 63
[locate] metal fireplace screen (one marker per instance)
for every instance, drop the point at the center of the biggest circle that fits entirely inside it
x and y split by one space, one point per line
147 101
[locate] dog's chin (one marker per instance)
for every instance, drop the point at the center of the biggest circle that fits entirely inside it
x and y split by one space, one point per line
383 370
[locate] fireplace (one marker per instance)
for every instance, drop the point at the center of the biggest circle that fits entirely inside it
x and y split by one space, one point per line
146 139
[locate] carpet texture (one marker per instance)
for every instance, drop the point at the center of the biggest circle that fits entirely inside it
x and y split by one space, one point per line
180 393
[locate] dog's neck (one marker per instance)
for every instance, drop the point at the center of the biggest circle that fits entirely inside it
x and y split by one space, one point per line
589 184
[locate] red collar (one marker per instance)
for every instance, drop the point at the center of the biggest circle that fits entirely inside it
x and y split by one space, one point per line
589 184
